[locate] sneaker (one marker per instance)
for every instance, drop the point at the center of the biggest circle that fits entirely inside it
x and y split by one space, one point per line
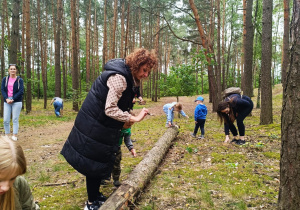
201 137
94 206
240 142
193 135
14 138
117 183
101 198
234 141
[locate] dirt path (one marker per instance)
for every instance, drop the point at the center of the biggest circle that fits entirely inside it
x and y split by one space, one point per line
45 141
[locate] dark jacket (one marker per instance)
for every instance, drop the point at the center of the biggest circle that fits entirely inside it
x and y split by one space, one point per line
18 89
242 106
24 199
93 141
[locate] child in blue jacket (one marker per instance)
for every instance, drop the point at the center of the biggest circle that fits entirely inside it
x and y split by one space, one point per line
200 117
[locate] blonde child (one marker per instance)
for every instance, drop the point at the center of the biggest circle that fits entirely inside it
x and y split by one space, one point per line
15 193
169 111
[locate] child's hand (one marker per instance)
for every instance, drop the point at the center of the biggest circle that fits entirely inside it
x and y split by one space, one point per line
128 124
187 117
133 152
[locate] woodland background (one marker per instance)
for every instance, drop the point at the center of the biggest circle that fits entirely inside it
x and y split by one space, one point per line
203 47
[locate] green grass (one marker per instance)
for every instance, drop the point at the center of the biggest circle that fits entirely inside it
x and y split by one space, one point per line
197 174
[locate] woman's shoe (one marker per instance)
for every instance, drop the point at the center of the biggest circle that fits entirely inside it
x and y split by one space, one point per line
14 138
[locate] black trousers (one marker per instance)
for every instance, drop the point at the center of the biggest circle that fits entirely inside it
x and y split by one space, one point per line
92 187
200 123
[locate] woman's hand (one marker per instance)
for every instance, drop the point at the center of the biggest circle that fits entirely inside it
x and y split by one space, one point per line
140 116
9 101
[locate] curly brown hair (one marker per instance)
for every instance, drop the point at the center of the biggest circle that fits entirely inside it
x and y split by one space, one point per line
139 57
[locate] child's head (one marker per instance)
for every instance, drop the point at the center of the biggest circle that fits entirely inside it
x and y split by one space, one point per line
178 107
12 164
199 100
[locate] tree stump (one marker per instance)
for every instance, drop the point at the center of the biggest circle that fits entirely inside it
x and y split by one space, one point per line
142 173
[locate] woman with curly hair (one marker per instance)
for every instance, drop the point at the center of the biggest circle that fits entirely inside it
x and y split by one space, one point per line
94 140
15 193
235 107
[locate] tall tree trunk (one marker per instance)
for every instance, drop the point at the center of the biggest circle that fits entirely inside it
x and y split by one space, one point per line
43 52
127 29
285 41
75 71
218 69
104 37
209 49
248 51
57 50
289 191
13 51
223 45
28 57
266 116
87 52
122 29
2 48
244 44
64 55
113 48
140 25
23 41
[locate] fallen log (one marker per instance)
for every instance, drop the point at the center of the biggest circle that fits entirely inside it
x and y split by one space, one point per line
141 174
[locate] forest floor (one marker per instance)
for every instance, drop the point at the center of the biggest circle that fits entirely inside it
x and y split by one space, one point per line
195 174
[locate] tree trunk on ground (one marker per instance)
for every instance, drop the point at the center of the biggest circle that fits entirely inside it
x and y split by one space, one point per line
289 191
266 115
142 173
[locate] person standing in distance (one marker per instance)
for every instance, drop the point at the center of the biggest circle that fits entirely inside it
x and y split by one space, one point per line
12 89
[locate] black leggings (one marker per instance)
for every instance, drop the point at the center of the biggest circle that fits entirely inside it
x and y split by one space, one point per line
200 123
92 187
240 123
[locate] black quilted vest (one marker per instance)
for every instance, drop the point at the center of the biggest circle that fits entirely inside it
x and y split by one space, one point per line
93 141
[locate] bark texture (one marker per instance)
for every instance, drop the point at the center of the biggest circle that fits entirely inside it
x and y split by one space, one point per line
142 173
289 191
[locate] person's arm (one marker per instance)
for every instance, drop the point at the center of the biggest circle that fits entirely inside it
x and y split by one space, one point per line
183 114
52 101
25 196
3 91
117 84
128 143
